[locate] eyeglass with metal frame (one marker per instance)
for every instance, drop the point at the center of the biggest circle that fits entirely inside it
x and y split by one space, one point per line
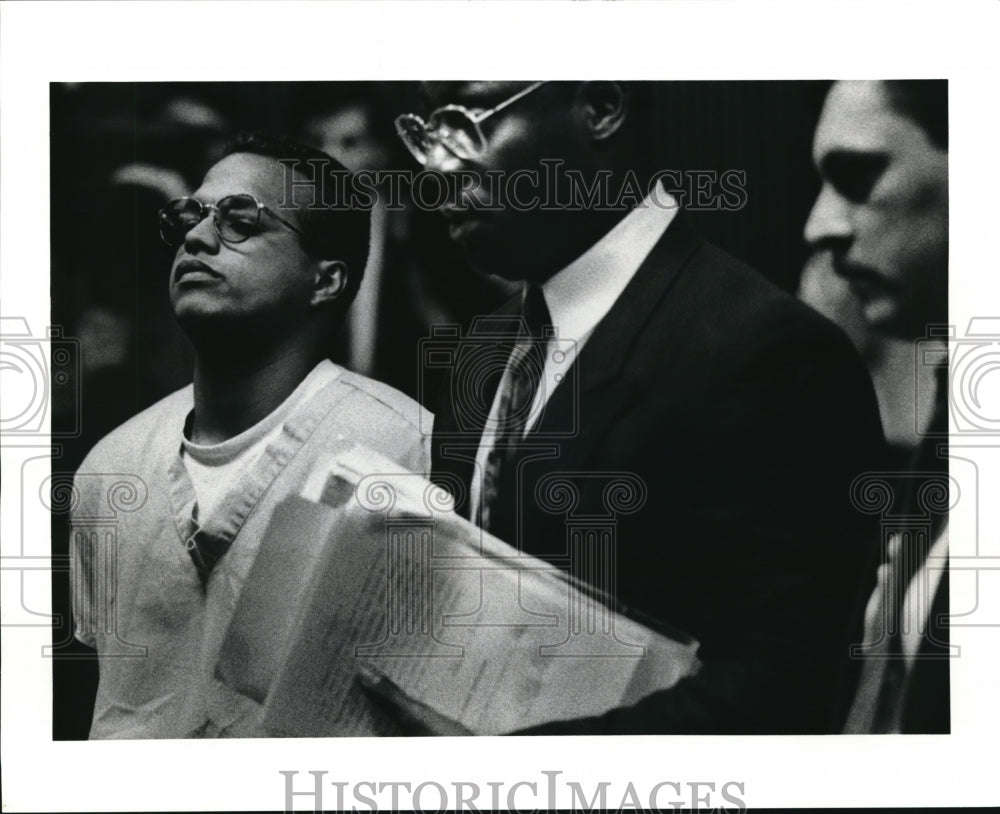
236 218
454 127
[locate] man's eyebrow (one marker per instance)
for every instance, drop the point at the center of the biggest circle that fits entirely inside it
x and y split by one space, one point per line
424 99
847 159
467 95
448 93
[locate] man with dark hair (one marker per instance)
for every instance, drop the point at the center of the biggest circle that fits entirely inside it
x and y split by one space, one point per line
331 226
261 278
925 101
882 151
739 416
883 207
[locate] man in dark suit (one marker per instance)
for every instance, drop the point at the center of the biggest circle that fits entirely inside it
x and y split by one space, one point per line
882 213
732 418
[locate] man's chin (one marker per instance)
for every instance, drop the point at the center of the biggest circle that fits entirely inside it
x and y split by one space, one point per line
497 261
885 317
483 261
187 312
209 325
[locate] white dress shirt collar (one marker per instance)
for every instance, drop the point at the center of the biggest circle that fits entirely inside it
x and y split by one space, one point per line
580 295
578 298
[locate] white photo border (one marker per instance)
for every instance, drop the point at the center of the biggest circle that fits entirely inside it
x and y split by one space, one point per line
46 42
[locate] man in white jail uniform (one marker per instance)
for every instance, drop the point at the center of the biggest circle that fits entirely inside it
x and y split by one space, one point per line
260 291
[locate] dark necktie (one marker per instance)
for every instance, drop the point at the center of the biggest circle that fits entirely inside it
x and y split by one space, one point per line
205 550
518 388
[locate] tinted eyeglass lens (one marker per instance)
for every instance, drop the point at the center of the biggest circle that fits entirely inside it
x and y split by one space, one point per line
237 218
412 131
178 218
457 132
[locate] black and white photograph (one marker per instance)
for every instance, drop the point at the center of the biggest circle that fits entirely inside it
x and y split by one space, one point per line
421 426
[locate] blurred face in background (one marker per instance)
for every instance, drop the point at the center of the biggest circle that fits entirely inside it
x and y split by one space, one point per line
347 135
883 208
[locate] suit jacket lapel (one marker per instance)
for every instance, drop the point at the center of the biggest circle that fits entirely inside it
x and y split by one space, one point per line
583 404
586 401
611 342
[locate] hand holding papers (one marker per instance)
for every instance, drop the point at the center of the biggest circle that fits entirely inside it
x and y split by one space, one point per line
377 570
413 717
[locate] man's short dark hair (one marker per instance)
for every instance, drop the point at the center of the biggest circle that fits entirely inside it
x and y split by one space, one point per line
334 232
925 101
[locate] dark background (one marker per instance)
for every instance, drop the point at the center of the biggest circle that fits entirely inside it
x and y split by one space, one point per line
109 268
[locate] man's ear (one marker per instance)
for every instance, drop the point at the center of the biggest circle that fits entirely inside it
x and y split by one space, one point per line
329 281
605 105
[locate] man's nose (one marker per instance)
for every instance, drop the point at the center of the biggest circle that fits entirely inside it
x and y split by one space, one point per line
829 219
202 236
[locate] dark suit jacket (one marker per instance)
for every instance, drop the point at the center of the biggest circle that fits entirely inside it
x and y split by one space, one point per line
745 416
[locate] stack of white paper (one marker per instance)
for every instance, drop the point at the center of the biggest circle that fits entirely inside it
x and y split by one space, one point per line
377 569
